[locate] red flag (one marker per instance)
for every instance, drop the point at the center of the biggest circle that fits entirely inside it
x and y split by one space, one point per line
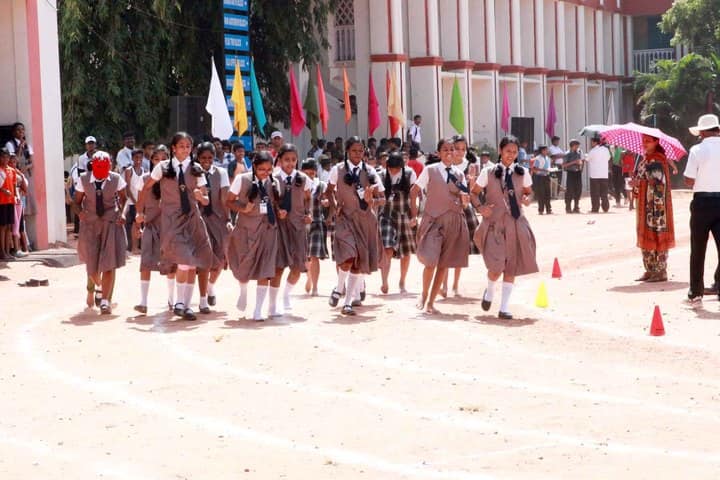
297 116
346 97
373 109
395 117
505 118
551 115
322 101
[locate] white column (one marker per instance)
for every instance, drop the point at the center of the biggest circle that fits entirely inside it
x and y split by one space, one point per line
540 32
463 16
600 41
629 33
490 29
618 42
560 32
516 54
433 28
396 24
580 47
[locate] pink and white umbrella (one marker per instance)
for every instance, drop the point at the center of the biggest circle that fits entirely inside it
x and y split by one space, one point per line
629 136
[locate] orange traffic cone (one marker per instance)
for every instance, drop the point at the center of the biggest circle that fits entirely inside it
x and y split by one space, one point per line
657 329
556 273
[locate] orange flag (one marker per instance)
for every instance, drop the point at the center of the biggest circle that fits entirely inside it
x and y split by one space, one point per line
322 101
346 92
396 119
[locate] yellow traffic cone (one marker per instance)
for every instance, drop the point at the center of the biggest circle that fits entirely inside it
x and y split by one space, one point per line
541 300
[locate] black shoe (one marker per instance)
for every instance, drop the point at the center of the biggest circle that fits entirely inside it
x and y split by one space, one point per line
188 314
485 303
105 310
179 309
140 308
212 300
362 296
357 303
204 310
711 290
505 316
348 310
576 210
98 297
334 298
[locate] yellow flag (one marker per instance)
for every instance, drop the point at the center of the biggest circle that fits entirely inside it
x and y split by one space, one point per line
240 121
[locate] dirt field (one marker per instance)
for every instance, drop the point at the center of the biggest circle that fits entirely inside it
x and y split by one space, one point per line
577 390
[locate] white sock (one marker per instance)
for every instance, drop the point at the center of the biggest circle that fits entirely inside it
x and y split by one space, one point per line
507 289
260 295
203 302
171 290
144 289
104 302
490 292
211 289
359 286
342 278
273 310
242 299
286 295
180 295
352 285
189 290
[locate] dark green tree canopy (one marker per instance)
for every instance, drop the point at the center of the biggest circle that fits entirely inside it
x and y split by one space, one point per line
695 23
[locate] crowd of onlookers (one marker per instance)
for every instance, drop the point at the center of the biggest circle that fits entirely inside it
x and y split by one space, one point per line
17 200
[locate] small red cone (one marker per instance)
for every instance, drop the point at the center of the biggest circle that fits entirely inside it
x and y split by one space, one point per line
556 273
657 329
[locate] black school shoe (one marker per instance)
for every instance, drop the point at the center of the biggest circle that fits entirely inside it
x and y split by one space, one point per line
485 304
334 298
204 310
188 314
505 316
179 309
348 310
212 300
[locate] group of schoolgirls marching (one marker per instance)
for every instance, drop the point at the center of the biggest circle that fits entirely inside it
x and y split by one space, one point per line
285 215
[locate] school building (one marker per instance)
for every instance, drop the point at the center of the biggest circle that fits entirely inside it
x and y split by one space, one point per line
584 51
30 94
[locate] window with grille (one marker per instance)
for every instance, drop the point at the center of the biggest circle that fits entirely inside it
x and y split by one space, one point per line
345 31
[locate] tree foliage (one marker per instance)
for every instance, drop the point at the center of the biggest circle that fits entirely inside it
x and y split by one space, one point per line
695 23
121 60
677 93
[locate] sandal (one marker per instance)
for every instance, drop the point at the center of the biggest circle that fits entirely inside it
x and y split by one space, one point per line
334 298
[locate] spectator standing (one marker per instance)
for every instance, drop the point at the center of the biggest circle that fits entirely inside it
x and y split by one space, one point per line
541 180
324 170
134 183
414 134
19 146
276 142
523 157
148 147
616 174
8 182
123 159
557 155
573 166
598 160
702 174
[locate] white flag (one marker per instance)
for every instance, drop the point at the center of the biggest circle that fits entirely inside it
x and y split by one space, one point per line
222 125
611 109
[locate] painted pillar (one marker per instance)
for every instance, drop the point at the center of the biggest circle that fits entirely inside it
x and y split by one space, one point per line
539 33
490 32
560 35
599 41
580 47
516 53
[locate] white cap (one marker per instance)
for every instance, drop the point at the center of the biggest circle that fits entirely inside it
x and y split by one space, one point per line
275 134
90 139
706 122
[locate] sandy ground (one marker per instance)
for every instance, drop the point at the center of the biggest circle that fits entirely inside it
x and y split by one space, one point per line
576 390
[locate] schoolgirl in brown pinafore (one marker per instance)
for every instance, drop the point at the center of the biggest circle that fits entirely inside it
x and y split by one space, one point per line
317 230
294 216
150 239
504 237
253 243
102 242
357 191
442 238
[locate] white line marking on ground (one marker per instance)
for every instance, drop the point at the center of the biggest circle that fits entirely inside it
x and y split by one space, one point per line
221 426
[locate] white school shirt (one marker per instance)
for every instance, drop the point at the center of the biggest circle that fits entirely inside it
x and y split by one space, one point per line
395 179
12 147
597 161
157 172
123 159
482 180
121 183
333 177
703 165
137 183
415 132
293 174
224 177
236 186
424 178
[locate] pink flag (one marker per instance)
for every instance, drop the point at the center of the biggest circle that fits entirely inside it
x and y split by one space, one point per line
297 116
373 109
505 119
551 115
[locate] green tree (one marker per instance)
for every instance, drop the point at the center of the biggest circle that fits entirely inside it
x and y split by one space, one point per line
695 23
120 60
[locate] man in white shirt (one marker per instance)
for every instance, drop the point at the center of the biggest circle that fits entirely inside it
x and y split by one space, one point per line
80 166
123 159
598 161
702 173
414 134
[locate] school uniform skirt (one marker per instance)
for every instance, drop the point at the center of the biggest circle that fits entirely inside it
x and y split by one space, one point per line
507 245
357 238
396 233
472 223
317 240
252 249
293 245
443 241
102 244
218 235
184 240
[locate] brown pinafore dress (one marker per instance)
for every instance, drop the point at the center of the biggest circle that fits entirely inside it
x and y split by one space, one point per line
216 219
292 229
253 243
183 238
443 240
102 242
150 242
507 245
357 236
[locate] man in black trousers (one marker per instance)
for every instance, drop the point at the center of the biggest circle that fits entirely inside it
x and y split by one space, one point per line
702 173
573 166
